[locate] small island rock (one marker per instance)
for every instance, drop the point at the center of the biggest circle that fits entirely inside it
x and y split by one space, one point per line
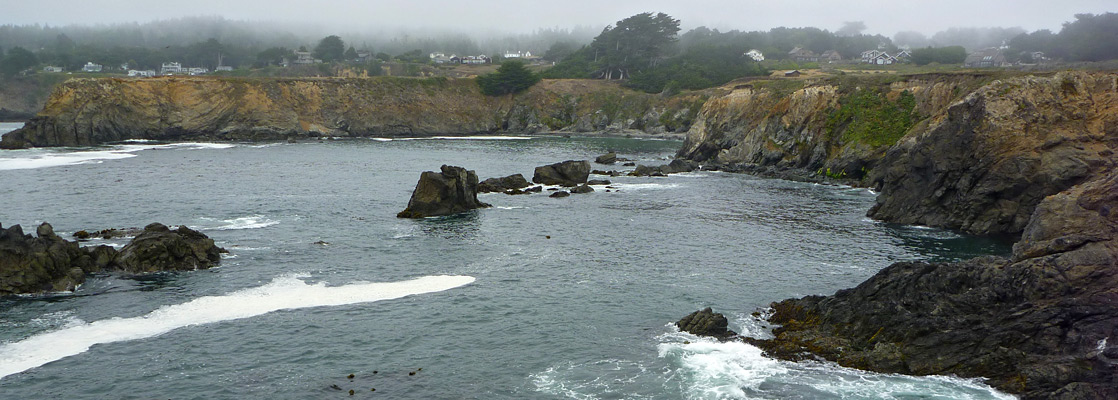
566 173
451 191
158 248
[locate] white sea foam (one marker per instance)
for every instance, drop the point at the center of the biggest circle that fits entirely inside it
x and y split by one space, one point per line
249 222
455 138
43 158
283 293
709 369
720 370
37 159
645 186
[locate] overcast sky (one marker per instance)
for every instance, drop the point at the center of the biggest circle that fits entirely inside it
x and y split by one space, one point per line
884 17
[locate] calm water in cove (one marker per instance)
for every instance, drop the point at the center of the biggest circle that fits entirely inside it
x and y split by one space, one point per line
322 280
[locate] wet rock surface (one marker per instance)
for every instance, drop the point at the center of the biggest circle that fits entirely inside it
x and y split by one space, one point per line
48 263
453 190
567 173
159 248
706 322
1039 323
503 184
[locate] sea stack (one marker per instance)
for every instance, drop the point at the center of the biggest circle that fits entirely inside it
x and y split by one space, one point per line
451 191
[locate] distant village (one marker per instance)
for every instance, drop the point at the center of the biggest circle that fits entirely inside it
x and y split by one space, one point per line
986 58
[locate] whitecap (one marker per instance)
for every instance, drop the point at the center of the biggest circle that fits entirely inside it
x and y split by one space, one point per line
283 293
709 369
645 186
249 222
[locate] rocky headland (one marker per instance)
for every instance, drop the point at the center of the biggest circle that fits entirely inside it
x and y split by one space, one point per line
48 263
1026 156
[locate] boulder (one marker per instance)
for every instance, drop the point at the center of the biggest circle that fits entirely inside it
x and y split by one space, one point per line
503 184
451 191
566 173
598 182
582 189
629 164
706 322
159 248
560 193
608 158
46 263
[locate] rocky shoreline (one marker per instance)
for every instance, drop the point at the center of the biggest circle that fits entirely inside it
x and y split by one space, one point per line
1031 157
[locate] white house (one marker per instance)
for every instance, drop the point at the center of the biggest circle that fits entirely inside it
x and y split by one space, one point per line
198 71
141 73
51 68
755 55
91 67
517 54
171 68
223 68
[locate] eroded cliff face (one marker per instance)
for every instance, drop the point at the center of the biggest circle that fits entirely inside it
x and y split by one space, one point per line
92 111
984 164
837 126
965 152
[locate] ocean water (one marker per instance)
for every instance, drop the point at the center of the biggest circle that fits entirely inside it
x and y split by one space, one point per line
533 298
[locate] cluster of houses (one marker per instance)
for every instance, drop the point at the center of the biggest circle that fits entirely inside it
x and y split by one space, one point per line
169 68
875 57
442 58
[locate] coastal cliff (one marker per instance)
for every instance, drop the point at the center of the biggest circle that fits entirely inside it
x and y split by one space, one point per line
83 112
970 152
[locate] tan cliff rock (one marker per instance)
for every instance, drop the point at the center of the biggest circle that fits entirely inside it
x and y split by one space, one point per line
92 111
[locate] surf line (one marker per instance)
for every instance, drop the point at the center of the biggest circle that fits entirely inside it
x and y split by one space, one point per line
283 293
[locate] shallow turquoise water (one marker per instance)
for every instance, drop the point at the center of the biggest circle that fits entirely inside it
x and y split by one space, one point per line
584 314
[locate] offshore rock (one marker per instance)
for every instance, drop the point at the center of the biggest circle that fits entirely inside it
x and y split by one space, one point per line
1041 323
566 173
608 158
159 248
582 189
706 322
503 184
46 263
451 191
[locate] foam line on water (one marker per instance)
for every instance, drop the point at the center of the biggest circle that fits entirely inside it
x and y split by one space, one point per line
455 138
43 158
283 293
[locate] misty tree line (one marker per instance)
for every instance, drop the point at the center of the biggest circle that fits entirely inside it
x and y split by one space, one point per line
198 42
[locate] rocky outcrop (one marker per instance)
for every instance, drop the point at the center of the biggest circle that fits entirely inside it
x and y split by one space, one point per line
48 263
159 248
608 158
706 322
1041 323
83 112
566 173
984 165
674 167
451 191
507 183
